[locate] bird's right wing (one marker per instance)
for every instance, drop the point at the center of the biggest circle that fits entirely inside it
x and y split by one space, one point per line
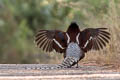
48 40
94 38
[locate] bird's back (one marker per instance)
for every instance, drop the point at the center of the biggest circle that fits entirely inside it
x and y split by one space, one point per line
73 50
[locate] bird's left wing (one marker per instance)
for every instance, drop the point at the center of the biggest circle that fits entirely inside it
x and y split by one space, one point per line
94 38
48 40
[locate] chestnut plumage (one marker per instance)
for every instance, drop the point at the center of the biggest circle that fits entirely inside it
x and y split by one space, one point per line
88 39
96 38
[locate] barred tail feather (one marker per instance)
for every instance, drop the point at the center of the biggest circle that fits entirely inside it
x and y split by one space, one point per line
67 63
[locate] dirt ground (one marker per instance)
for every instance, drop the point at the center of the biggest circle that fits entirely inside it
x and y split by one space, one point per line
85 71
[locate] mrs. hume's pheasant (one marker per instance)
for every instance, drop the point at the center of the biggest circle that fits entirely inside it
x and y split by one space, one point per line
73 43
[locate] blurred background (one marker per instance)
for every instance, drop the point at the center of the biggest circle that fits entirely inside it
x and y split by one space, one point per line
21 19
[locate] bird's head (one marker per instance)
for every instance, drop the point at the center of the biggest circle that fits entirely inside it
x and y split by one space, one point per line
73 32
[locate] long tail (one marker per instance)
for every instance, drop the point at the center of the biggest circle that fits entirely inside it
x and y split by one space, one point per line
73 55
67 63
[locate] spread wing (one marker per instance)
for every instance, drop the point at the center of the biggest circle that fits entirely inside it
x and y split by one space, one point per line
94 38
48 40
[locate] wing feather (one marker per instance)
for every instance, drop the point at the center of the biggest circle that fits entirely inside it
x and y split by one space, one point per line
96 45
44 39
99 43
103 37
102 41
99 38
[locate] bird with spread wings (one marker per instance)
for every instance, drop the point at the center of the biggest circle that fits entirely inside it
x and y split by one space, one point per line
88 39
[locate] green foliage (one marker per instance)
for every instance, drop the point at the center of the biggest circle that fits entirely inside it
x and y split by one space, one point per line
21 19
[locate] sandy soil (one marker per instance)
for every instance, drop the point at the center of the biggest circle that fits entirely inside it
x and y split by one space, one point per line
84 72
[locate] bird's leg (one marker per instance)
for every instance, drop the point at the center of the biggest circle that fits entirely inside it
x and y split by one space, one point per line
77 65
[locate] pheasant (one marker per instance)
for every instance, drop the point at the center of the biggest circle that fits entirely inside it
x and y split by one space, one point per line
73 43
